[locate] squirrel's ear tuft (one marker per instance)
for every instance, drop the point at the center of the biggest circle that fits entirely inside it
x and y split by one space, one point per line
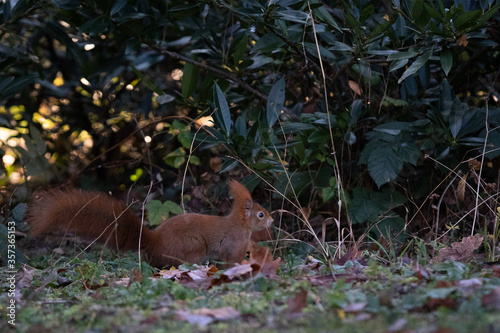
248 204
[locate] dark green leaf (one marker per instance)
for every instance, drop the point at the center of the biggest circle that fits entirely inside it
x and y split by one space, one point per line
56 31
466 20
384 165
323 14
363 208
147 81
446 59
19 212
339 46
434 13
416 9
408 152
11 86
268 43
275 102
294 16
293 127
67 4
416 65
117 6
355 112
190 77
402 55
222 113
240 49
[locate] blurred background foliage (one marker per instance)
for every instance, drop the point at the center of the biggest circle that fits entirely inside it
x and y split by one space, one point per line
390 107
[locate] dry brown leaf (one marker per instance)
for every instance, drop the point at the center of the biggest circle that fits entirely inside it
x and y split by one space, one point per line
352 254
202 272
135 276
496 271
461 251
461 188
173 274
324 280
355 87
462 41
492 300
26 276
434 303
262 260
239 271
215 163
422 274
474 164
297 303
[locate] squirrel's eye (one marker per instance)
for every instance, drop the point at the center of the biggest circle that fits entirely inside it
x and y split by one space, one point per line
260 215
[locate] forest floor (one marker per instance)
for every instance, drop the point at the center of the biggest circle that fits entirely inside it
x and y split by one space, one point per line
70 290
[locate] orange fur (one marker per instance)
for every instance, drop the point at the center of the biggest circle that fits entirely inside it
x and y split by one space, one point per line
191 238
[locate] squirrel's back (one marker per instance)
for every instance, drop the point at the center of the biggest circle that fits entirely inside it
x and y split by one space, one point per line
92 215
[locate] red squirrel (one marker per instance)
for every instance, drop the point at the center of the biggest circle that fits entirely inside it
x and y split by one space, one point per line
192 238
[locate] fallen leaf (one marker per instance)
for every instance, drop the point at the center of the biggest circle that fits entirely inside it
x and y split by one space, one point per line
26 277
224 313
328 279
422 274
201 272
445 284
496 271
297 303
238 271
135 276
58 250
434 303
262 260
470 286
324 280
492 300
352 254
461 251
354 307
200 320
204 316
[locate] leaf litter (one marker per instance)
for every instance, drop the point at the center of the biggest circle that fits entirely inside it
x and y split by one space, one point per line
352 290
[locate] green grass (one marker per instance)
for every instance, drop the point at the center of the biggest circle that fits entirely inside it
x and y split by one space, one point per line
80 295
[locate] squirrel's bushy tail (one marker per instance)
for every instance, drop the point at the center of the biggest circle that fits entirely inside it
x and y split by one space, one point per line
91 215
